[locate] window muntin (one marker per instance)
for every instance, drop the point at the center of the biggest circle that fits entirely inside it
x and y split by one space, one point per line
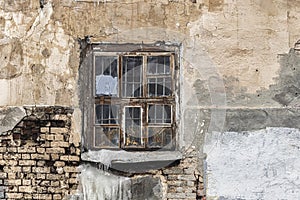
131 115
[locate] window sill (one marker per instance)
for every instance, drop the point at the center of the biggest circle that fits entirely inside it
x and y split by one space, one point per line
132 161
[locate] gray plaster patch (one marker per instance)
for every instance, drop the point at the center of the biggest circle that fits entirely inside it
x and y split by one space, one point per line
261 164
9 117
247 119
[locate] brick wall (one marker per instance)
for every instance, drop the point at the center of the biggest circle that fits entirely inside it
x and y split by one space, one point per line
38 160
185 180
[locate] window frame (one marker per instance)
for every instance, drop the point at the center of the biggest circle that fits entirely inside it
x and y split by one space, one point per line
142 102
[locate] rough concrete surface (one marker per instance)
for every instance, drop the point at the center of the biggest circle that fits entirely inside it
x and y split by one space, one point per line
248 165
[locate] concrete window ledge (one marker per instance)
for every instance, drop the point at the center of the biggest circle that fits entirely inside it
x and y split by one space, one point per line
132 161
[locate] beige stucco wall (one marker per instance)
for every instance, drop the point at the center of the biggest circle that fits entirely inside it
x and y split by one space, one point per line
238 67
40 52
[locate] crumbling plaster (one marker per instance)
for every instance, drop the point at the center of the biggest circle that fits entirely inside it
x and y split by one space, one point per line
40 50
236 54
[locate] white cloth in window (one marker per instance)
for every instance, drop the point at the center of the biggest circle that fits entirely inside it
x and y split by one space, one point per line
106 85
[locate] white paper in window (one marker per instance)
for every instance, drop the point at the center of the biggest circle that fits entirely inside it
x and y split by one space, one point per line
106 85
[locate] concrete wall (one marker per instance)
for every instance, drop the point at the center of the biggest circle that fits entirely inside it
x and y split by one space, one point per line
239 72
254 164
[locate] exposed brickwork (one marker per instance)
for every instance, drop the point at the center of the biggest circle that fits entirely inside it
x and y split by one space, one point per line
37 158
184 181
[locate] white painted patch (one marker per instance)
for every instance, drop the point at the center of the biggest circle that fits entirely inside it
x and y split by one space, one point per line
261 164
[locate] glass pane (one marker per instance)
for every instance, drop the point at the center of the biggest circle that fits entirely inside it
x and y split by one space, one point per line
159 86
159 114
106 76
159 136
167 114
132 76
107 114
133 126
107 137
158 65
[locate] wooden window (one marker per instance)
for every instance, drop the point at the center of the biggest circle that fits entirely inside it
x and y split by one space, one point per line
133 94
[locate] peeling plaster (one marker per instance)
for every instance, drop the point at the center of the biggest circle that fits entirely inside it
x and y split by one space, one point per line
9 117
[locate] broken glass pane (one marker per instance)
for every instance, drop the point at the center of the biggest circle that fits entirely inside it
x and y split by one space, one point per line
159 136
158 65
159 114
106 75
159 86
107 137
107 114
133 126
132 76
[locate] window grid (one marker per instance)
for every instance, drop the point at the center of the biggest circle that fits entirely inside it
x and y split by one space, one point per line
107 114
161 66
161 114
133 126
107 137
134 80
